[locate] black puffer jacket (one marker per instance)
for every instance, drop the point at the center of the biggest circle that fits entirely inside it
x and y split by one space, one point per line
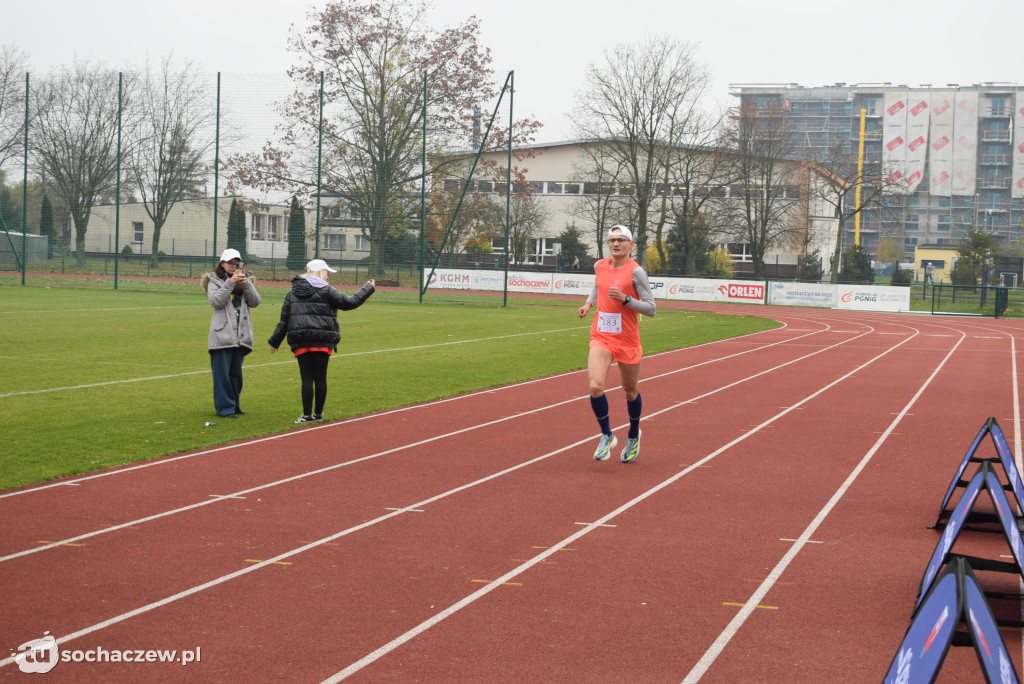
309 315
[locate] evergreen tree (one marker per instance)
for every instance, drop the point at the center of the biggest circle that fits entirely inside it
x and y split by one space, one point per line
296 237
571 240
857 266
236 228
808 267
46 224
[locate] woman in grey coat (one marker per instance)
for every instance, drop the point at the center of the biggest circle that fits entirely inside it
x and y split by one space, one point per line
231 293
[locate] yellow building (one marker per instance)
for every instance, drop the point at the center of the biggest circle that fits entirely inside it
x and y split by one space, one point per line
941 257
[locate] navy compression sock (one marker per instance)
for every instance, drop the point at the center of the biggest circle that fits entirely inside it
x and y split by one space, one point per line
600 408
634 408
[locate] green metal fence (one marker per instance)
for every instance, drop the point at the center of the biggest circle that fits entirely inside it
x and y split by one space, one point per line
968 300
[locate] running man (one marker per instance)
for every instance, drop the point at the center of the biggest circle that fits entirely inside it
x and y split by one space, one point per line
621 291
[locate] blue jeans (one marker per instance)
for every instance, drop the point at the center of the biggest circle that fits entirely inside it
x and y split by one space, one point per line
226 365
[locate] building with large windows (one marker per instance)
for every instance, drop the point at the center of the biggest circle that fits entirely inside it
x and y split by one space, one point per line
957 150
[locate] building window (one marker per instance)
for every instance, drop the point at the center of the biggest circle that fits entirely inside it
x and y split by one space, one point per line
138 232
739 251
944 222
334 241
257 231
362 243
536 187
912 222
273 224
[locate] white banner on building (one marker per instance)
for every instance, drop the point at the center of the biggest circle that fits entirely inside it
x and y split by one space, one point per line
1018 146
965 143
917 138
941 148
894 136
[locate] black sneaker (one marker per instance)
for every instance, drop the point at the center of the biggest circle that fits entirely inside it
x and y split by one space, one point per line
317 417
304 419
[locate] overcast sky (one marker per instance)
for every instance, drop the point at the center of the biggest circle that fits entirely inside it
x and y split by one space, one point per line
549 44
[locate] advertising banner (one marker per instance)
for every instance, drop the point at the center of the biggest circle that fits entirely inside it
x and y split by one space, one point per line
965 143
872 298
745 291
1018 146
529 281
941 148
917 138
802 294
689 289
572 284
894 136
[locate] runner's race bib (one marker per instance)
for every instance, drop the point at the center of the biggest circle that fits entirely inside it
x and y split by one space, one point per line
609 322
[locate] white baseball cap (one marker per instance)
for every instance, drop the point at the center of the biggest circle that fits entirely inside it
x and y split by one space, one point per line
625 232
318 265
229 254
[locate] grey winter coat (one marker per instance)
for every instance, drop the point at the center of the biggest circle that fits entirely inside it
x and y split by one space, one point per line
231 325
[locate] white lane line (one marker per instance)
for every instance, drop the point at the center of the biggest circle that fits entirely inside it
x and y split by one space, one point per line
422 442
421 504
716 648
461 397
515 572
279 363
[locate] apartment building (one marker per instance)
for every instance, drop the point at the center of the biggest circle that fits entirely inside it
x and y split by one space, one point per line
957 150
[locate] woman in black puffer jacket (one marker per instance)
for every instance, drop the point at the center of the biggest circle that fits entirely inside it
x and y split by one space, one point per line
309 317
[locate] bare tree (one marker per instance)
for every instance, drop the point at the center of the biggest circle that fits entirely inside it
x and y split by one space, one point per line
13 66
173 150
600 205
641 102
880 190
74 137
694 181
373 55
526 217
765 181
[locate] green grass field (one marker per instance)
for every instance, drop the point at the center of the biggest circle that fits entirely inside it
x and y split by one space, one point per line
95 377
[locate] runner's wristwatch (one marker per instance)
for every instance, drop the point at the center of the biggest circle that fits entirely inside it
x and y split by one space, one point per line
627 300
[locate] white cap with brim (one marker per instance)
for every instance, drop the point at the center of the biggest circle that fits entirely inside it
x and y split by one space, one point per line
623 230
318 265
229 254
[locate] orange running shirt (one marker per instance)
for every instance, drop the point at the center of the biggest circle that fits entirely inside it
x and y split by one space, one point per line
614 322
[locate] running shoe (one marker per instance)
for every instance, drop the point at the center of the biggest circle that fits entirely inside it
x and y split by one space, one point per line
632 449
605 446
308 419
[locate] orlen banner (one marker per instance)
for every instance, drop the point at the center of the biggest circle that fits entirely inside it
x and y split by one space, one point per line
746 291
873 298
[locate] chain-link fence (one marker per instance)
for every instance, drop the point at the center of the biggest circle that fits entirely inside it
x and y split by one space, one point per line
141 180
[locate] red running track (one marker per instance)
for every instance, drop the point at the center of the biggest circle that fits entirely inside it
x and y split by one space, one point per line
773 529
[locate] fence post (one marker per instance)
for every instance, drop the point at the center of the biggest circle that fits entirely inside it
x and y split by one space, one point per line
24 196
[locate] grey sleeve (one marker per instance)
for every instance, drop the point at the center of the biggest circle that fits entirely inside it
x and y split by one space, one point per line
593 295
645 305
